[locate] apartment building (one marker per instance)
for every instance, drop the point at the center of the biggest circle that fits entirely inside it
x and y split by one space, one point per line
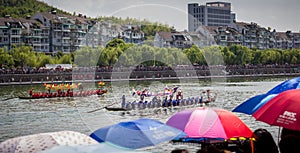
17 31
250 35
35 34
66 32
132 34
172 39
211 14
52 32
183 39
10 32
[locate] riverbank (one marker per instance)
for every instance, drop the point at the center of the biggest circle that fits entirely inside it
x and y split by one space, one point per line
223 77
109 74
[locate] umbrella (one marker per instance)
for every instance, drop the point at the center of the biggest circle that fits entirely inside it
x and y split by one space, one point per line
137 133
253 104
204 122
282 110
42 141
286 85
95 148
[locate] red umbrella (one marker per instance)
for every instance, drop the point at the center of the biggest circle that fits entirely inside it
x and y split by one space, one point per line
283 110
210 123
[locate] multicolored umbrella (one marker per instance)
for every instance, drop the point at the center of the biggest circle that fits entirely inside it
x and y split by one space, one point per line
293 83
137 133
43 141
253 104
282 110
205 122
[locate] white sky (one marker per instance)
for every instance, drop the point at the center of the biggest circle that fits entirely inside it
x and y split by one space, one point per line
281 15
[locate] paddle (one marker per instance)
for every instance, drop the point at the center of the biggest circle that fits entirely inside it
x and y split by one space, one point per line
101 108
10 96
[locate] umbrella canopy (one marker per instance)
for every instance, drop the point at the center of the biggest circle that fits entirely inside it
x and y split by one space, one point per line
282 110
42 141
210 123
95 148
137 133
253 104
286 85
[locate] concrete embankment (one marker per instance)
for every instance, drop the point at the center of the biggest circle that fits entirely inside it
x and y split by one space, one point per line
64 77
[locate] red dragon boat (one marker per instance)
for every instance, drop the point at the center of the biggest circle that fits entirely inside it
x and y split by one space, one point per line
64 90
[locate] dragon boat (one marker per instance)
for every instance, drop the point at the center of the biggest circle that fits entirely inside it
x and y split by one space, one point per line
158 103
64 90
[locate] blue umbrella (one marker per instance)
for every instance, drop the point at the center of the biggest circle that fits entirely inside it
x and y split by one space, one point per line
137 133
253 104
286 85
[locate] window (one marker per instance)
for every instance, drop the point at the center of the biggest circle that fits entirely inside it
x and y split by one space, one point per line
223 37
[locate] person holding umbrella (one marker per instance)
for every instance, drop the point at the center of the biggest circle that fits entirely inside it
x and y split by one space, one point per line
289 141
264 141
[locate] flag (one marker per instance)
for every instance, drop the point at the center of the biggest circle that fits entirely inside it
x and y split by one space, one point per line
175 89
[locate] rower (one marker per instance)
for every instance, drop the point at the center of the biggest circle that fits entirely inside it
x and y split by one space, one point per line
208 95
30 91
123 102
179 95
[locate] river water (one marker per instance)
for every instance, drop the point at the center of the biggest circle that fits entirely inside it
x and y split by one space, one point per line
23 117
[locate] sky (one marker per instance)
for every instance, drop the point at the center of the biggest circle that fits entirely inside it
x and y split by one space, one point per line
281 15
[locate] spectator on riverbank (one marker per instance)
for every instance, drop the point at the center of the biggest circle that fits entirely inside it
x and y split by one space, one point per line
212 149
264 142
179 151
289 141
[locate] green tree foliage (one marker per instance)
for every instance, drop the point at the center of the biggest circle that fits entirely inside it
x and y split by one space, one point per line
23 8
23 56
195 55
118 53
243 55
229 56
149 28
6 59
65 59
45 59
87 56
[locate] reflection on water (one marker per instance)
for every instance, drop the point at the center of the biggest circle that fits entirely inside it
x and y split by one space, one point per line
22 117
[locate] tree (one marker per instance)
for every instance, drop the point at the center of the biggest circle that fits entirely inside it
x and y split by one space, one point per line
65 59
6 59
23 56
45 59
229 56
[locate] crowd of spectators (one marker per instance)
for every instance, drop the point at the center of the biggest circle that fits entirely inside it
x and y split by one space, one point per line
231 69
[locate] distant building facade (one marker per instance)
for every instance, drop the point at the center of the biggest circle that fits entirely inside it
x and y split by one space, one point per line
172 39
182 40
52 32
211 14
250 35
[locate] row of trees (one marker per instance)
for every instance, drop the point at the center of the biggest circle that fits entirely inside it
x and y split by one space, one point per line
25 56
119 53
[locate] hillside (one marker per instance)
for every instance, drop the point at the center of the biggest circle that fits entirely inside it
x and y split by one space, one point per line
23 8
